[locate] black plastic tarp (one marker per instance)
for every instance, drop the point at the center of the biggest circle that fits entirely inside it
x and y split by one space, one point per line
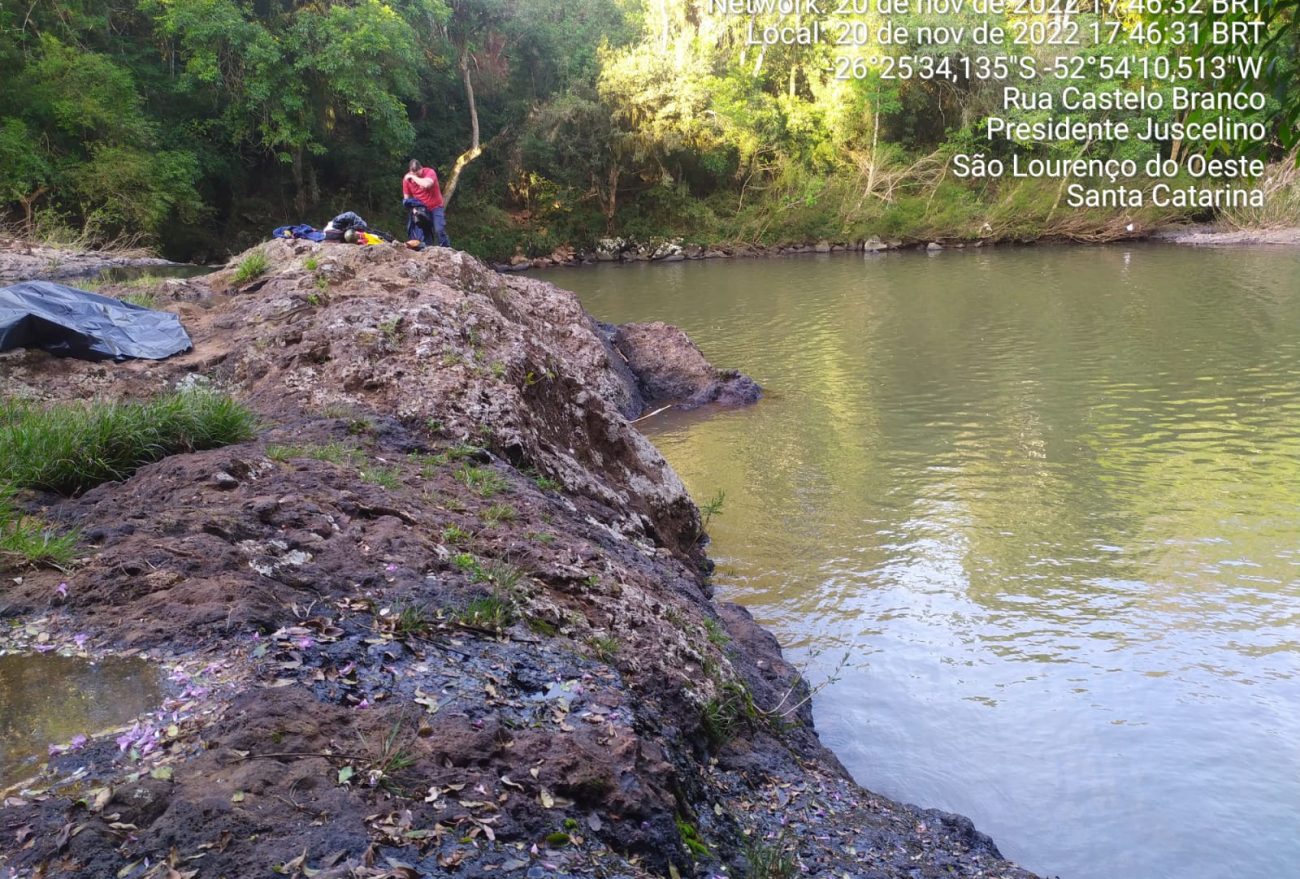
73 323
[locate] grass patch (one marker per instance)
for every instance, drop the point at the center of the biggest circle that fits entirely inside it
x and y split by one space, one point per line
545 483
454 534
251 267
606 647
546 628
408 621
481 480
717 635
495 612
142 298
724 715
28 540
467 563
385 477
498 513
69 449
334 453
771 860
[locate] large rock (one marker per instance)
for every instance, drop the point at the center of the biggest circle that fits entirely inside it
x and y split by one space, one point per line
671 369
436 440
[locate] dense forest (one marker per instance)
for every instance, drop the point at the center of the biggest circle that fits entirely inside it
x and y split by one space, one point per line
199 125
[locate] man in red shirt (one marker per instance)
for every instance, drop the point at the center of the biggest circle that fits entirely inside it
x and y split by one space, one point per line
421 185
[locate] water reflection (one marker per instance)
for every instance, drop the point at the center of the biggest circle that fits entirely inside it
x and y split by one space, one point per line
48 699
1049 499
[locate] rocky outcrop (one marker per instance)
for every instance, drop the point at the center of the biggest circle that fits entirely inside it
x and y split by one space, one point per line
670 369
445 615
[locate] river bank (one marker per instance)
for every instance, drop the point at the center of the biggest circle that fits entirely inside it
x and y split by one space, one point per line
625 251
447 612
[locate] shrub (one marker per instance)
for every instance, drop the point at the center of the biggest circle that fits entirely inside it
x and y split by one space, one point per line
72 448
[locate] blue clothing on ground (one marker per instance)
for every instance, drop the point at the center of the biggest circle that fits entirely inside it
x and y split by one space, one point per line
299 230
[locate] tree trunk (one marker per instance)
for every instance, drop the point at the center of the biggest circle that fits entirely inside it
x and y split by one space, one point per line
29 203
299 182
475 148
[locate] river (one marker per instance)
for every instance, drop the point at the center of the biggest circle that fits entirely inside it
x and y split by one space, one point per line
1047 503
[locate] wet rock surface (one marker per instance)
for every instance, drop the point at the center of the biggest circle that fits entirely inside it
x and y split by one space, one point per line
445 615
670 369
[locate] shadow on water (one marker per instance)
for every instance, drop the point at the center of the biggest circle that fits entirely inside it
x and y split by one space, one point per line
47 699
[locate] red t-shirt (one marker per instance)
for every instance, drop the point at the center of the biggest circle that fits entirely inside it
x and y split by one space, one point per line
431 197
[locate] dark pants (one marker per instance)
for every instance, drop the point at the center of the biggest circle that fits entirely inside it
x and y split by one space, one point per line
439 216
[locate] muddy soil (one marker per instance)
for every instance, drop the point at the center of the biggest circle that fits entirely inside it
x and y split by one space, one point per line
448 614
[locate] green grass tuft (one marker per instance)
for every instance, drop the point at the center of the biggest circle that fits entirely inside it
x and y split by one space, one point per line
498 513
251 267
142 298
385 477
24 538
606 647
482 481
495 612
722 717
71 448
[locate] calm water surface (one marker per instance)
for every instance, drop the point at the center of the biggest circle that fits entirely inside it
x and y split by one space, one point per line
47 699
1048 502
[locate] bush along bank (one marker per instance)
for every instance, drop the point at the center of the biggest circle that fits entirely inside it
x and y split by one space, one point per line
446 613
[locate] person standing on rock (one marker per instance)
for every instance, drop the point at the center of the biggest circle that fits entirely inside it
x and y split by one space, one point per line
421 185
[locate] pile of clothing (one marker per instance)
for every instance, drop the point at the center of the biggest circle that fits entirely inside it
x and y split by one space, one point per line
347 227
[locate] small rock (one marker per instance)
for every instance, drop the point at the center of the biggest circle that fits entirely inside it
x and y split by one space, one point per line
933 246
224 481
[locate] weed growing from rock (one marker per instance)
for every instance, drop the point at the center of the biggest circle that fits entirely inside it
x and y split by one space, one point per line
498 513
545 483
481 480
772 860
717 635
709 509
723 715
71 448
384 477
27 541
605 646
251 267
